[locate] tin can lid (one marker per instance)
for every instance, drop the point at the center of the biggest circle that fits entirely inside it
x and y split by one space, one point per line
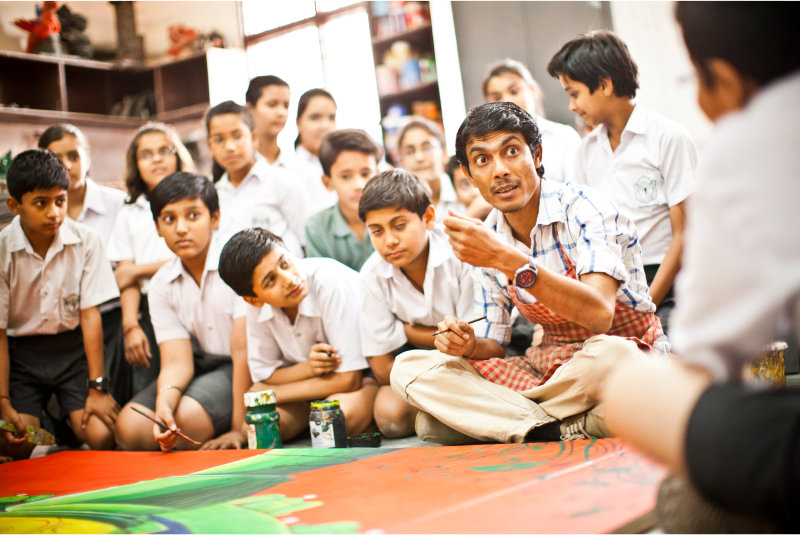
324 405
259 399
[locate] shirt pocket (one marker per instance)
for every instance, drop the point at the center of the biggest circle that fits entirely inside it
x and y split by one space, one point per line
69 304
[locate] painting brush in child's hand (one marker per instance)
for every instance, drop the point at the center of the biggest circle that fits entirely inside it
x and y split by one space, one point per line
36 435
164 427
473 321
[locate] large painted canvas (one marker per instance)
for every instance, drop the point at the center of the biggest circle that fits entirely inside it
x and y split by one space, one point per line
560 487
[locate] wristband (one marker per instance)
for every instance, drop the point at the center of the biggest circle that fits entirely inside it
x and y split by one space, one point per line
179 389
129 328
5 397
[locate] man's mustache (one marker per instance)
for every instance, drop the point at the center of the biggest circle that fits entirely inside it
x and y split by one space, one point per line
504 183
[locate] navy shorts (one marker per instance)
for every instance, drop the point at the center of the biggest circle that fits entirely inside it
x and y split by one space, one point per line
47 364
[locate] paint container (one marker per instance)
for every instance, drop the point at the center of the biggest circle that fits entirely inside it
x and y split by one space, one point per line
770 368
263 420
366 440
326 423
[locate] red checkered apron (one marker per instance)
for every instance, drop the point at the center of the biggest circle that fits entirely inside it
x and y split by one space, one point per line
561 340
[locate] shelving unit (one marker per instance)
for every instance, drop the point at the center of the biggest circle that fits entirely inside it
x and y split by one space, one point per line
49 89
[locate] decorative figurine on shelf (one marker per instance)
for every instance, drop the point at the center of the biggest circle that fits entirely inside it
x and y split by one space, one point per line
73 33
43 32
183 41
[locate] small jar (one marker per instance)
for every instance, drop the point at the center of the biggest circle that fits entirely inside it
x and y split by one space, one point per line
327 425
263 420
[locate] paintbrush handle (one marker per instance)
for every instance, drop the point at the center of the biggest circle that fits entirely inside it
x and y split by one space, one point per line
476 320
164 427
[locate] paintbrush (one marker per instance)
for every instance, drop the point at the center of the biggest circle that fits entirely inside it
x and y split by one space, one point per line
448 330
164 427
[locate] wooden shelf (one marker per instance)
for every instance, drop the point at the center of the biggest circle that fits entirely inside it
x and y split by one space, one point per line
49 88
411 35
415 93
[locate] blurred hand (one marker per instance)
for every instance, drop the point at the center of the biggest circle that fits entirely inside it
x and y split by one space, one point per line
232 440
165 439
103 405
9 415
323 359
137 348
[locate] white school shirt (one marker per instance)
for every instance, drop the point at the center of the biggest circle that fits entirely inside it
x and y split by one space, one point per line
46 295
739 287
652 169
266 198
388 299
560 144
283 161
328 314
100 208
135 238
181 310
308 176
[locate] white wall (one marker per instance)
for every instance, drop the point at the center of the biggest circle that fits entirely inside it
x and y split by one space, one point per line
666 76
153 18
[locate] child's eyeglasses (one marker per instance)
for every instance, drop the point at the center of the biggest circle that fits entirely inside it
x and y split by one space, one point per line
163 152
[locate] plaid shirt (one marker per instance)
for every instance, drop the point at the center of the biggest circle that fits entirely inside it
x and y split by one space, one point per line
594 235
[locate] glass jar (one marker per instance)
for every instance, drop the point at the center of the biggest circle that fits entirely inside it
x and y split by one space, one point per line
326 423
263 420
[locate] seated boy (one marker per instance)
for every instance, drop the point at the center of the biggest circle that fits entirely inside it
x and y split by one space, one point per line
408 285
349 159
53 275
644 162
251 192
302 330
198 321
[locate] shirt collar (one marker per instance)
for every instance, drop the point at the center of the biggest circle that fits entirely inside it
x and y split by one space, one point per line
260 169
142 202
637 123
306 156
94 199
439 252
308 306
18 241
551 210
339 226
176 269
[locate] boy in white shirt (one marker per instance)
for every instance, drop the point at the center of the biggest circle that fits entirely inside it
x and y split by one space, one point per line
643 161
199 324
302 329
409 284
251 193
53 275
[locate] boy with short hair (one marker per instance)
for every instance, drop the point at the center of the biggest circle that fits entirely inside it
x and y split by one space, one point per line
302 329
53 275
198 321
251 193
411 282
268 99
644 162
349 159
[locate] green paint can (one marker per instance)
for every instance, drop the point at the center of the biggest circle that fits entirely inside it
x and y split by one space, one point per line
263 420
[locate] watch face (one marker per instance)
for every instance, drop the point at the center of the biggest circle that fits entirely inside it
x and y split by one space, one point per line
525 278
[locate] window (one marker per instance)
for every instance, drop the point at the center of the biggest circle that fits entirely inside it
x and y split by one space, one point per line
316 44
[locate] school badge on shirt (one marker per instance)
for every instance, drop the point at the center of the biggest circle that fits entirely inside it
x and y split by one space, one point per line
72 305
645 189
260 222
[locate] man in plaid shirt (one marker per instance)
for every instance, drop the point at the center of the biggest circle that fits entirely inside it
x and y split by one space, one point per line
567 258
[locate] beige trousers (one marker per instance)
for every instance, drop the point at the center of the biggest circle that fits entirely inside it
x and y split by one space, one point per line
452 391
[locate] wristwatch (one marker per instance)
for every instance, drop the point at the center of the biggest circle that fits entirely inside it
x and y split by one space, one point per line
525 277
101 384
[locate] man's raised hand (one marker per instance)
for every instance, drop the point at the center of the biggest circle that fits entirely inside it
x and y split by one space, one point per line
472 242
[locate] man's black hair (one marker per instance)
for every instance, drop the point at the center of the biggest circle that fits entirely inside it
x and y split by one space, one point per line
335 143
182 185
450 168
230 106
397 189
601 54
759 39
35 169
241 256
257 86
497 117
